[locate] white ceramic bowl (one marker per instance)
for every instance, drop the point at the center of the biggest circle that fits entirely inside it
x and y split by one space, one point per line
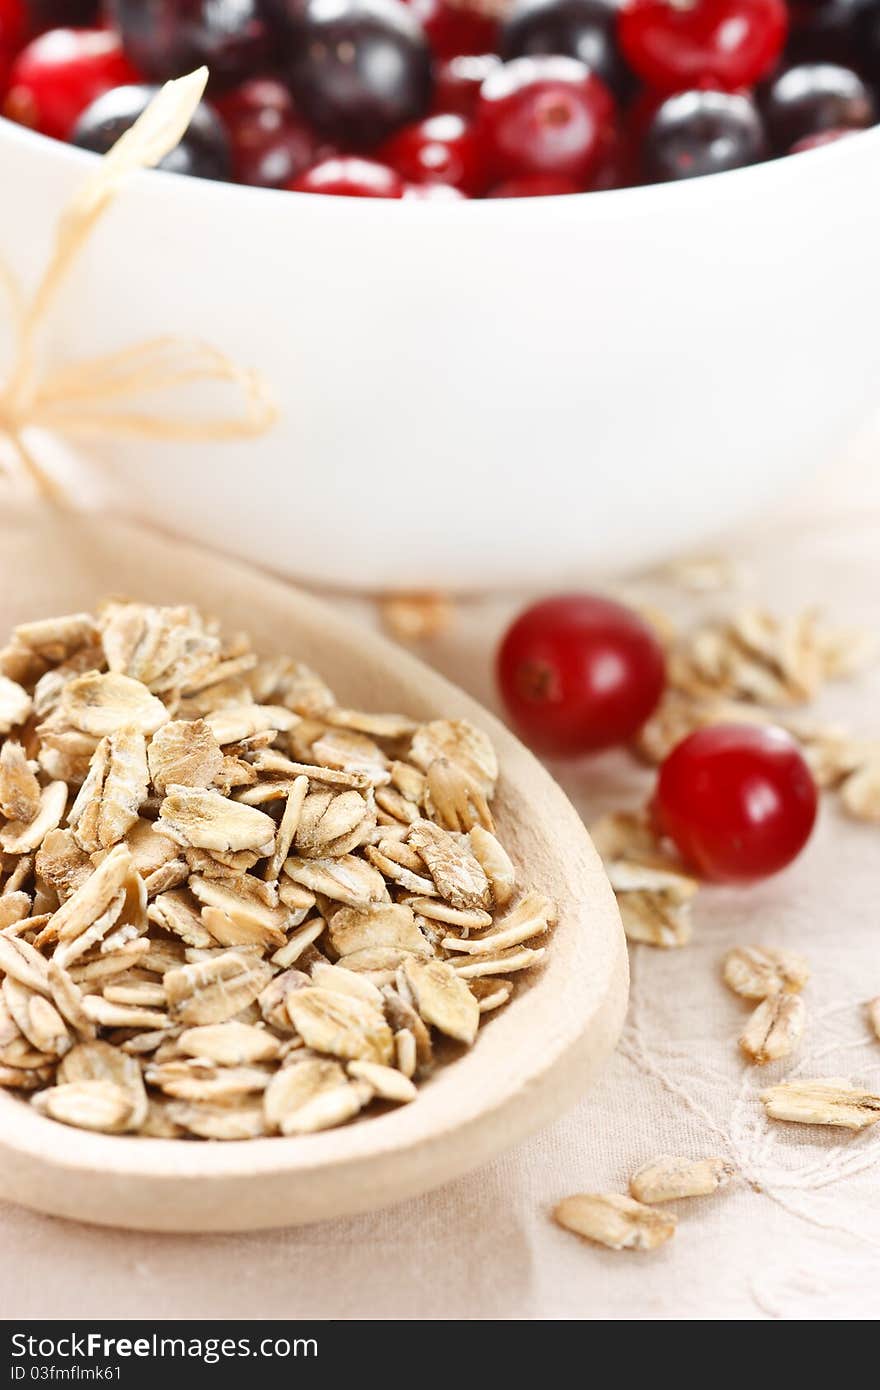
487 394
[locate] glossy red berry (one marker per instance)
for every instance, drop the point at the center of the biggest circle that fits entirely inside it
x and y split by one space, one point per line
738 801
433 193
62 72
458 81
440 149
618 165
578 673
534 186
271 145
453 29
348 177
544 116
724 43
13 31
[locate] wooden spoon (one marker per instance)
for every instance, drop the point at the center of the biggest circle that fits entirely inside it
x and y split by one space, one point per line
530 1061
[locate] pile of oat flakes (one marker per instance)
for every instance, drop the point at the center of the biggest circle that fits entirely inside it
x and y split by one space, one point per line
229 906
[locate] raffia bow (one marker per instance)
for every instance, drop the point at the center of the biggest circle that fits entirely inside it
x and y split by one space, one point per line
87 399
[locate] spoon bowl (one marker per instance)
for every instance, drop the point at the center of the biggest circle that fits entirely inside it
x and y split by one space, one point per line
530 1060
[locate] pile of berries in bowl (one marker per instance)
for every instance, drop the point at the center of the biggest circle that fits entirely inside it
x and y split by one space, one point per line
452 99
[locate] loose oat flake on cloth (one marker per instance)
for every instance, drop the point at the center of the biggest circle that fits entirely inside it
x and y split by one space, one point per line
229 906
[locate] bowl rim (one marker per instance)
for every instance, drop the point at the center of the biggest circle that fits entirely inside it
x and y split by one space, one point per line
641 199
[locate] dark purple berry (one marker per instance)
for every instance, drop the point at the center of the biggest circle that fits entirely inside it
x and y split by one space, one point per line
203 151
698 133
814 97
584 29
867 40
826 31
61 14
166 38
359 69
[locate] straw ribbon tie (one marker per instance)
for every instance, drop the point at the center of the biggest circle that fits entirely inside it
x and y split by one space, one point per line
87 399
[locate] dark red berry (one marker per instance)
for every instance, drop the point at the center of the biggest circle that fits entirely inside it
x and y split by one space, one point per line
544 116
453 29
815 142
738 801
583 29
60 14
579 673
270 144
349 177
59 74
440 149
723 43
359 69
13 31
534 186
203 151
814 97
618 165
458 82
167 38
698 133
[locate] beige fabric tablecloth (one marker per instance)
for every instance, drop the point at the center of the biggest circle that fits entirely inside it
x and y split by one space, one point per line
796 1236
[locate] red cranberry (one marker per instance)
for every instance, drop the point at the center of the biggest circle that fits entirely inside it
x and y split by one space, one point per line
166 38
270 145
359 69
59 74
814 97
534 186
584 29
698 133
458 82
544 116
202 152
618 165
13 31
453 29
738 801
578 673
433 193
349 177
725 43
440 149
638 117
815 142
